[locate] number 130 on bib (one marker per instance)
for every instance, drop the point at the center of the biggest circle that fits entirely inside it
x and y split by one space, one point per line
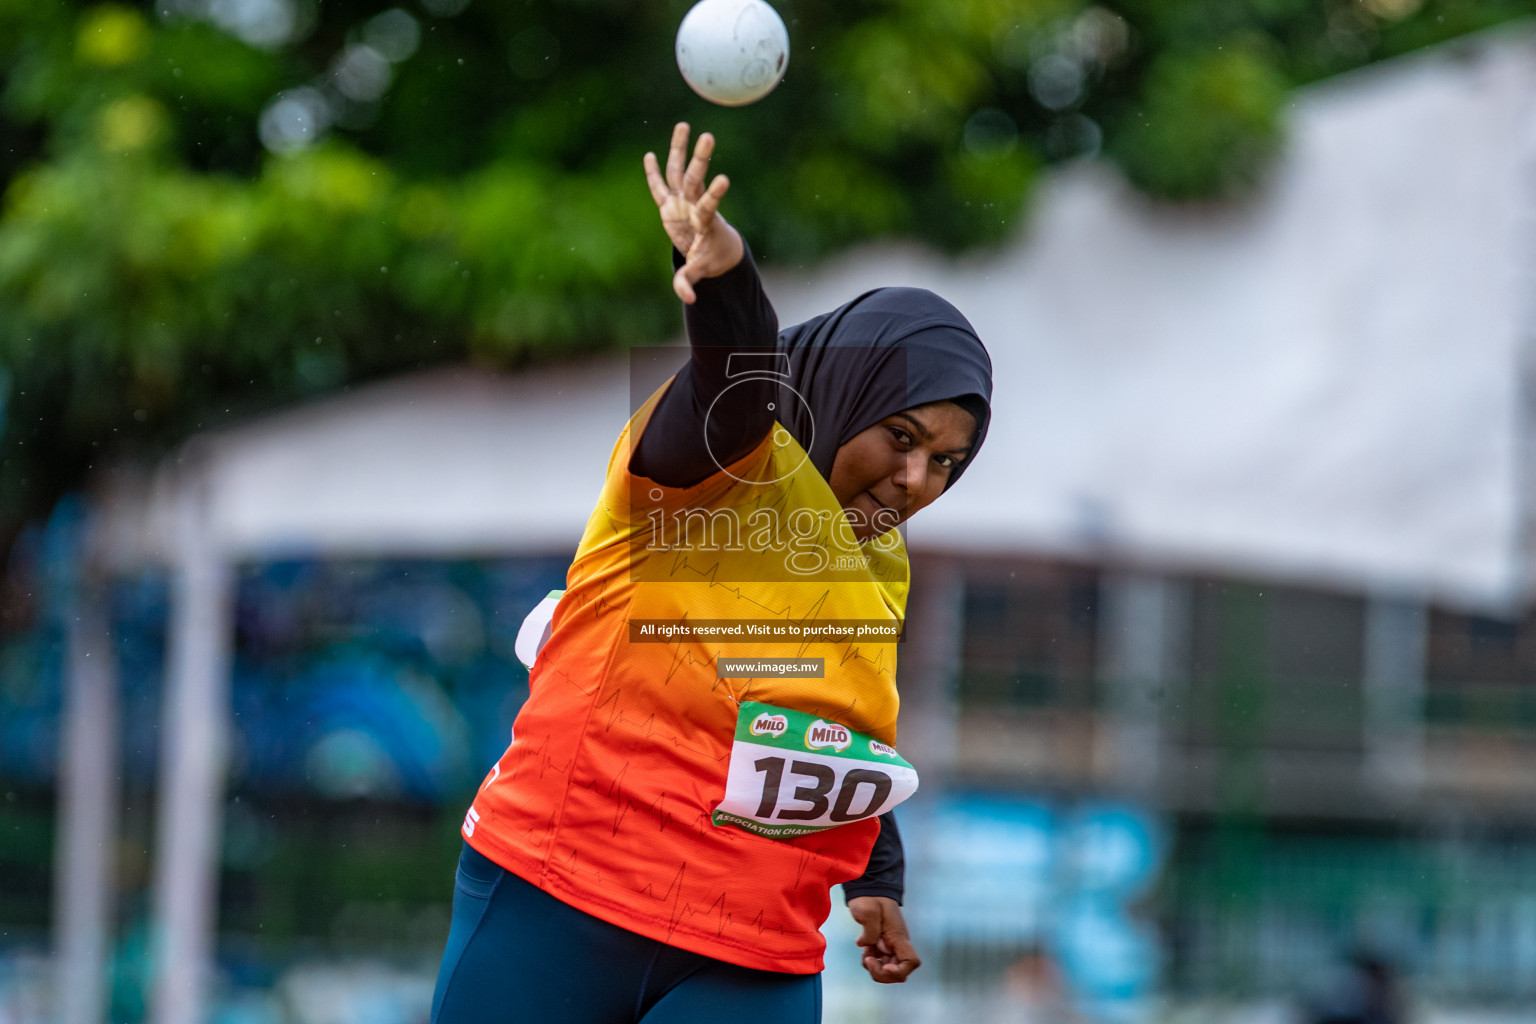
792 774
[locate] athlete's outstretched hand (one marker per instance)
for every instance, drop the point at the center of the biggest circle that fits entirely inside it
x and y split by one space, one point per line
689 211
888 953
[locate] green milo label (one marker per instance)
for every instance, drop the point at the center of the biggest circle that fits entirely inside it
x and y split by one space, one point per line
767 726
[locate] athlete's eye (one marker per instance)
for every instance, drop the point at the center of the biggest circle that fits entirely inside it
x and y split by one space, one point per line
947 461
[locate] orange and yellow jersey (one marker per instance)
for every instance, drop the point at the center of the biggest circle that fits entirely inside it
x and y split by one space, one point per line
620 754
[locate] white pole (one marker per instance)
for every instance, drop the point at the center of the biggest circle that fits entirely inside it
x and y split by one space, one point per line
1396 641
85 890
192 767
1143 657
929 667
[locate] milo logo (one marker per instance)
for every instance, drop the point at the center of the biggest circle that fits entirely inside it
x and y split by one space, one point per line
827 734
876 747
769 725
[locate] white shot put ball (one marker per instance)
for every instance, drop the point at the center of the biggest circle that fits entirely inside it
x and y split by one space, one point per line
732 52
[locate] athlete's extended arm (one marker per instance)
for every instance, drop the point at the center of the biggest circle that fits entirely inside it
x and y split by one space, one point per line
727 312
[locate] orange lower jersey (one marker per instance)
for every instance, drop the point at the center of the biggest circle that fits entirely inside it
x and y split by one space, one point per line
620 753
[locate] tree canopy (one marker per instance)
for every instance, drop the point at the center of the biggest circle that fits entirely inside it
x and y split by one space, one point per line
212 206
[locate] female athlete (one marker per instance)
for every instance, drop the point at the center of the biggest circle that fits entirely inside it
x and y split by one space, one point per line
659 842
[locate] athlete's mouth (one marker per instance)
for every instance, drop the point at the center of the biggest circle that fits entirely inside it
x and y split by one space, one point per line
881 507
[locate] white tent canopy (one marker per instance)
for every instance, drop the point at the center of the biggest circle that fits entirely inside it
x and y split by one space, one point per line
1326 383
447 462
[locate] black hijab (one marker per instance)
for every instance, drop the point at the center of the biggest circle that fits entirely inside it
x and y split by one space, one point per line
889 349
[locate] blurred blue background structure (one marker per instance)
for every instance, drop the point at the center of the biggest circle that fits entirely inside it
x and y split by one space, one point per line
1219 666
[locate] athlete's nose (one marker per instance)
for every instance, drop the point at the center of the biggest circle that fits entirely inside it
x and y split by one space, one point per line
912 477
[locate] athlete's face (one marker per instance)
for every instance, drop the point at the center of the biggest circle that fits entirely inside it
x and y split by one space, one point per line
884 474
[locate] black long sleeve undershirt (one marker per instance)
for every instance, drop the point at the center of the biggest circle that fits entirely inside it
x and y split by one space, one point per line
732 314
887 870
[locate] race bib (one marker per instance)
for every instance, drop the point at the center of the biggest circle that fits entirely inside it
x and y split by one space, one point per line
793 773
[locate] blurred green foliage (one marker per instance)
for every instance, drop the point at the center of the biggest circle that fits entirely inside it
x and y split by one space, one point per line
213 206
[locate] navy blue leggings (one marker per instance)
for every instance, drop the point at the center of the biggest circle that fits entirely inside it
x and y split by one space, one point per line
515 954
